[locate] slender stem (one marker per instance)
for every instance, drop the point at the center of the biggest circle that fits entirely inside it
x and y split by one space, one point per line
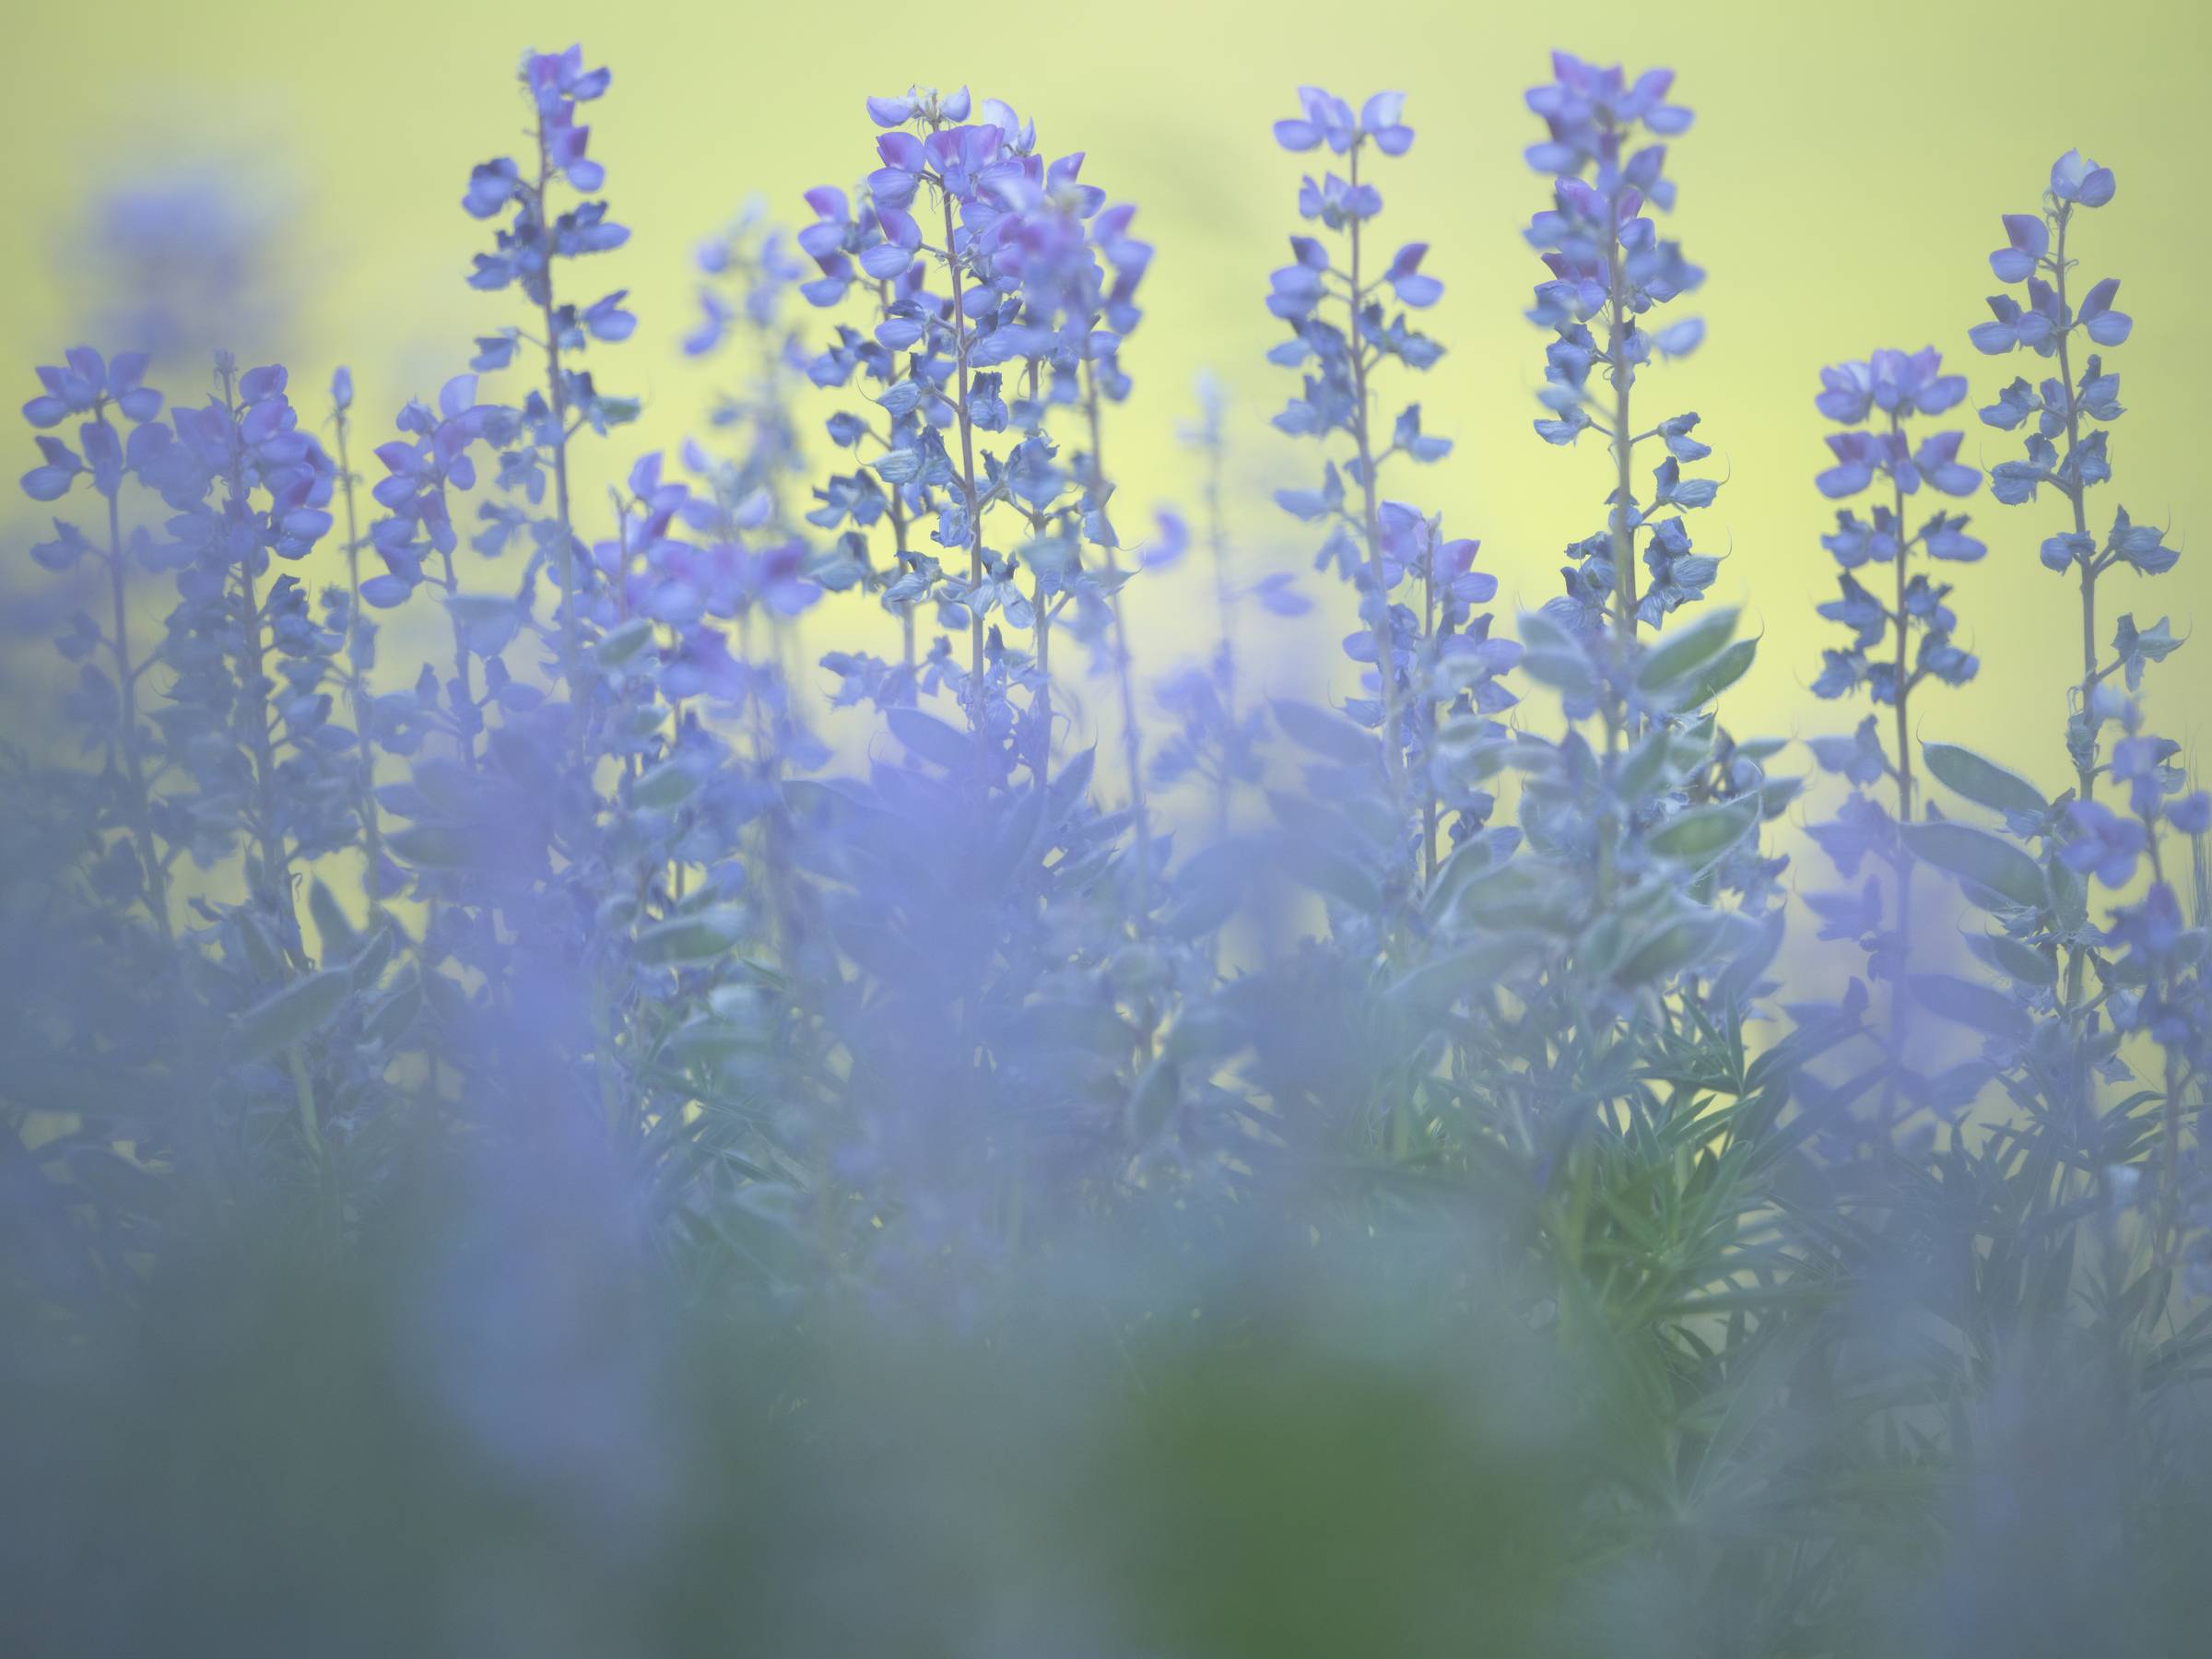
1217 535
1041 762
1621 531
1386 672
1900 1005
898 524
782 922
357 685
1624 446
2168 1228
1132 736
1041 766
558 397
1427 720
1905 664
126 679
974 528
303 1089
463 688
275 861
2086 767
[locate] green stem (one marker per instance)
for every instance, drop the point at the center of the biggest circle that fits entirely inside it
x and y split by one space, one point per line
1132 734
557 398
372 842
2086 768
975 528
276 862
1901 1008
126 679
1371 522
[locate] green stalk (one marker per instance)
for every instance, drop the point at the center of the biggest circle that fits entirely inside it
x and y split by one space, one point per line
373 843
126 680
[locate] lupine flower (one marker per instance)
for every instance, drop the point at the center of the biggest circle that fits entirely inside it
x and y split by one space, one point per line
1376 547
2063 450
1608 264
2105 844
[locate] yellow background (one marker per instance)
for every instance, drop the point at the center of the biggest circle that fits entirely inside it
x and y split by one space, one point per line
1842 186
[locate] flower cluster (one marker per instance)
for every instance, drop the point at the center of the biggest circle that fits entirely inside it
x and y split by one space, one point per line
529 249
2065 417
1873 400
925 1012
1610 266
1901 632
1041 281
1428 654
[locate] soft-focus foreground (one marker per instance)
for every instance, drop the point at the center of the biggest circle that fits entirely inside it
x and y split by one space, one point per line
540 1120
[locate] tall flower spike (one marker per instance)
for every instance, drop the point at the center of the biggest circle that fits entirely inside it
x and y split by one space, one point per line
1039 284
1667 773
1610 267
85 384
2064 417
1343 334
528 247
1900 629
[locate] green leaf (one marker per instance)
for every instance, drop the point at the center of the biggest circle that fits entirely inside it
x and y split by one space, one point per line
1651 766
392 1016
296 1011
2069 896
334 931
1442 980
667 786
369 963
259 946
1208 888
1462 865
619 645
1681 652
1325 732
432 846
699 937
1673 947
1976 1006
931 739
2015 959
1523 893
1985 860
1566 671
1328 871
1982 781
1720 674
1700 836
706 1041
